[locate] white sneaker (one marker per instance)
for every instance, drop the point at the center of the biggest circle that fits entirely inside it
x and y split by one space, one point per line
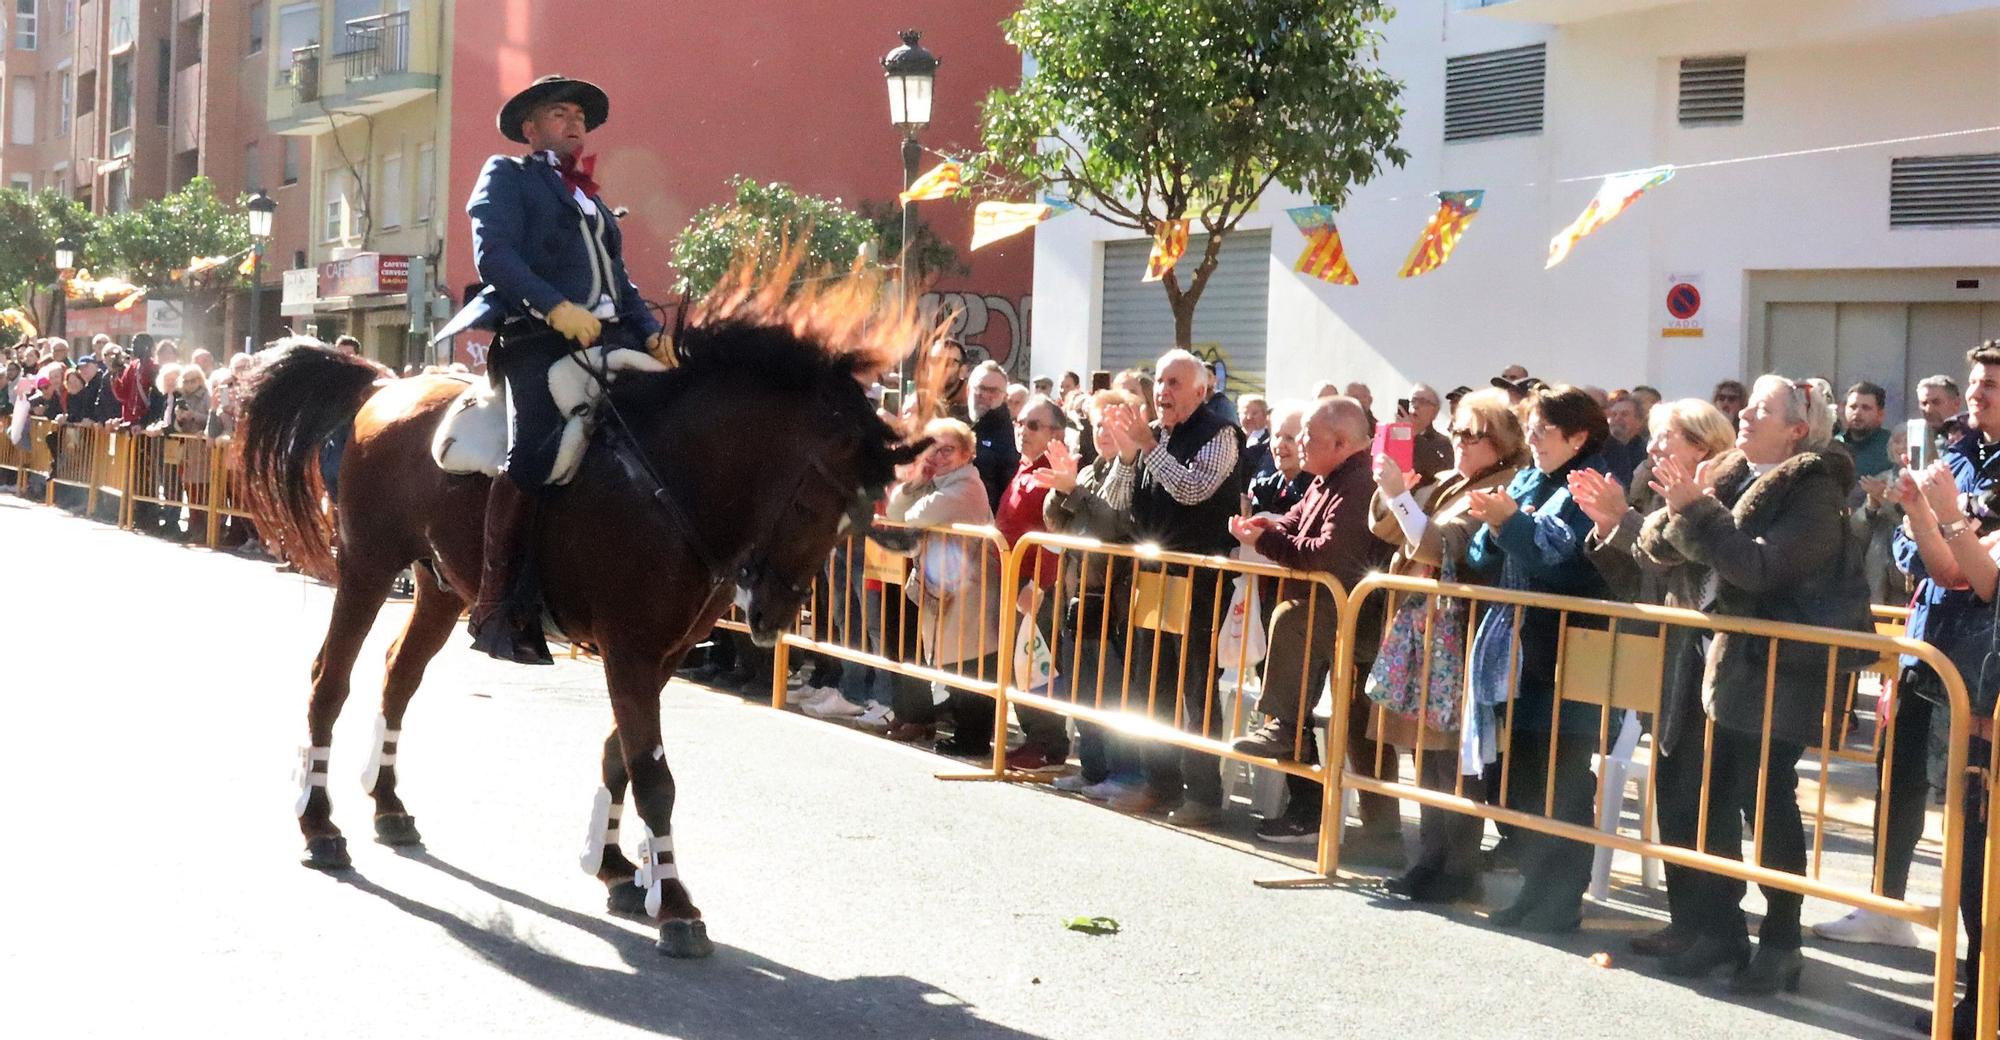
804 698
874 716
834 706
1108 790
1074 783
1867 926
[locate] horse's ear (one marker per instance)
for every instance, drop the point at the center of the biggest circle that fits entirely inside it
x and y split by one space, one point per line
909 451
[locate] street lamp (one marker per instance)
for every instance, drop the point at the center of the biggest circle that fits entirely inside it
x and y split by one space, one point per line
65 263
910 71
262 209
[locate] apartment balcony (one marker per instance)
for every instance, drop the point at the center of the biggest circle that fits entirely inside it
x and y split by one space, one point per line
1559 12
374 64
188 89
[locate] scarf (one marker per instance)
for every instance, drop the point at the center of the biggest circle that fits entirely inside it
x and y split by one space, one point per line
577 171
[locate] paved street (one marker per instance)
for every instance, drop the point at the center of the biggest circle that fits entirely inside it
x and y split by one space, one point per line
156 698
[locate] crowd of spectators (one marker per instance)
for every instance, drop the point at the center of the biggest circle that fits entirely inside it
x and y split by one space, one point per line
1776 501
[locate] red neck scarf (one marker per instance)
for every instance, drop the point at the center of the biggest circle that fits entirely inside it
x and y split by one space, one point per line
576 172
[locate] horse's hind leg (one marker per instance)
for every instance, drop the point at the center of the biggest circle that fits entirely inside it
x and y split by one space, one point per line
635 684
602 856
355 603
433 615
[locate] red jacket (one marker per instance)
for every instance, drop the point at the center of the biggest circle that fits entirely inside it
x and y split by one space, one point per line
1020 514
131 388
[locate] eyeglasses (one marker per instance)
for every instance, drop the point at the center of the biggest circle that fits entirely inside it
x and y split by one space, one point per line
1464 436
1035 425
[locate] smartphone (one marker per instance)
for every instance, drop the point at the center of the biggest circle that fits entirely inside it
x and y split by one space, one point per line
1100 380
1918 435
1402 407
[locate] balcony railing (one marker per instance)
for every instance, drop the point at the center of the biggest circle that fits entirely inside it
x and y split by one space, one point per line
378 45
302 75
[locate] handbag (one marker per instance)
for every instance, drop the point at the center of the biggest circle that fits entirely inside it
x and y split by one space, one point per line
1034 664
1397 681
1242 637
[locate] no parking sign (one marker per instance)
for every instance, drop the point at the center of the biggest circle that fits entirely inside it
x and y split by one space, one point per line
1683 306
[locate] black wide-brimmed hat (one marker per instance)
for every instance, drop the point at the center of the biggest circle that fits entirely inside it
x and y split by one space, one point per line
595 103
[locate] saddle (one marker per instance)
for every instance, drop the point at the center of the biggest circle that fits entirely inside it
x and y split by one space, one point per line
473 436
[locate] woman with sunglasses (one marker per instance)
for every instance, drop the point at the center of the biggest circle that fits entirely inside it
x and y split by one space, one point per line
1432 526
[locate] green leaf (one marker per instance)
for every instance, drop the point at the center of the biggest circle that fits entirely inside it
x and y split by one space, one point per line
1092 925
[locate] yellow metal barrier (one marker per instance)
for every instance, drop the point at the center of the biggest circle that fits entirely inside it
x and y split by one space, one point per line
1584 684
80 456
168 470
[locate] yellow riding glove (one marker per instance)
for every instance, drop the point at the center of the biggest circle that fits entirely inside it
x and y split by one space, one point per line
661 346
575 323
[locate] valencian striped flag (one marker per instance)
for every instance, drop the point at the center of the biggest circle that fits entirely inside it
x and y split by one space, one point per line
1454 213
1169 242
1324 257
937 182
1619 191
993 221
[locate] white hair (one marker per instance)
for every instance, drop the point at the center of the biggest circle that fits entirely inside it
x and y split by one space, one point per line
1177 356
1808 401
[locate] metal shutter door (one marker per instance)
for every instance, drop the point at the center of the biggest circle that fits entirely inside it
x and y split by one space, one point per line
1136 325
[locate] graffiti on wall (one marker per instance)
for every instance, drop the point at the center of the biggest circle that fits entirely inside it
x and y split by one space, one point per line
990 326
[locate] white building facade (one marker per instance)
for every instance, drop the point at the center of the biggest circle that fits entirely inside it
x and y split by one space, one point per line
1803 263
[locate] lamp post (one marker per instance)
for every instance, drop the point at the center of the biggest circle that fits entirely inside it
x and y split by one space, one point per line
262 209
910 71
65 263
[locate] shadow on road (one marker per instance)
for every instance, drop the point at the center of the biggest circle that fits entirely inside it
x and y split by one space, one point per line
733 994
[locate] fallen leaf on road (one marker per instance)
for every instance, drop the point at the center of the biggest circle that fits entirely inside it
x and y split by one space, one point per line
1092 925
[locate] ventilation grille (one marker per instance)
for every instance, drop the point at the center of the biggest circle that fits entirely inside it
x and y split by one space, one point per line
1494 93
1712 91
1945 191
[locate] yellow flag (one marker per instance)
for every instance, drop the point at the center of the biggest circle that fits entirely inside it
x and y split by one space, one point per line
1169 242
249 265
936 183
130 299
18 318
993 221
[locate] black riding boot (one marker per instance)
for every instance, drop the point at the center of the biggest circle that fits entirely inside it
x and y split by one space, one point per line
500 626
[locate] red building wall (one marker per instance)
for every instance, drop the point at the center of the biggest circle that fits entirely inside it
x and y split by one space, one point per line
777 90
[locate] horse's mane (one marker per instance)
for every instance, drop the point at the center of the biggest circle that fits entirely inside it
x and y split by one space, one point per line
813 334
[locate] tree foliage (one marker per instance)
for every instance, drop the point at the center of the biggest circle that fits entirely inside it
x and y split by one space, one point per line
930 255
30 227
149 243
759 216
1148 111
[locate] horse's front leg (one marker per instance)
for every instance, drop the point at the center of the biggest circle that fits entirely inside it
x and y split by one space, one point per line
355 604
602 856
635 684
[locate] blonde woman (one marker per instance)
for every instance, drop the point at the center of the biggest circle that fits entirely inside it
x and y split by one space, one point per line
1430 526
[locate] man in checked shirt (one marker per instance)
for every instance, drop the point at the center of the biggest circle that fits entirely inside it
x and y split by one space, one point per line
1179 480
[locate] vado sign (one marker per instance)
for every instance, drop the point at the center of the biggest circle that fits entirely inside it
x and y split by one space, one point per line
1683 306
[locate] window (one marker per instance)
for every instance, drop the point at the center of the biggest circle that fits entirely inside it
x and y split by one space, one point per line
345 11
69 16
24 182
336 209
389 199
163 85
290 173
1712 91
426 191
21 111
124 15
253 171
121 92
24 24
65 101
118 190
257 17
298 26
1495 93
86 93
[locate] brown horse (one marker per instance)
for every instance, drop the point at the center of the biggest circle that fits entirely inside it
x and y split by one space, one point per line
750 459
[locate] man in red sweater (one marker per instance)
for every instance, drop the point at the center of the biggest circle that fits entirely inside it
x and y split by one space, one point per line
1039 430
1327 531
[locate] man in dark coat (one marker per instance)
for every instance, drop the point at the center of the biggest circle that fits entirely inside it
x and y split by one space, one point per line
550 253
997 456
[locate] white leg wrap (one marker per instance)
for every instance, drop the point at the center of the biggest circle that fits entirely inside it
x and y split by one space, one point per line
381 753
311 773
656 856
603 833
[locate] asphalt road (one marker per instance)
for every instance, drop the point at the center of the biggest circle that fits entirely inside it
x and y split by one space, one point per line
155 697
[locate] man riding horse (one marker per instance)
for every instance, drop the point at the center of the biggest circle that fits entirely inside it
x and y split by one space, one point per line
551 255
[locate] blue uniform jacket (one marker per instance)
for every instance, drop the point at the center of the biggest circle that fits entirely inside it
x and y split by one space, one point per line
530 244
1934 607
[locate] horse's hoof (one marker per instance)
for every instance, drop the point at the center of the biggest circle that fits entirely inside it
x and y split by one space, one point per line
327 852
627 899
684 938
397 829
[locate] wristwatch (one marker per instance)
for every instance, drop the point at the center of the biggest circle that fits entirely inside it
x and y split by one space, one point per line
1954 529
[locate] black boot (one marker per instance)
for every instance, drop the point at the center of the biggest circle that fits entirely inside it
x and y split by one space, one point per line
1771 969
1707 954
497 627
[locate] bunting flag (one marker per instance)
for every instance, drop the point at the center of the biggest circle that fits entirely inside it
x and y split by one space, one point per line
1454 213
248 268
993 221
83 285
18 318
198 264
1324 257
130 299
1618 192
938 182
1169 242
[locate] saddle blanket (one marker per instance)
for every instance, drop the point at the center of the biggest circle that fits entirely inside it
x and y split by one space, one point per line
473 436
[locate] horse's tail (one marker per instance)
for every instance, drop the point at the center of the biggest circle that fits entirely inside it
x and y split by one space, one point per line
297 399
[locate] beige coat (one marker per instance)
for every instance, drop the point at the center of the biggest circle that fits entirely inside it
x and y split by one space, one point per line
956 622
1450 530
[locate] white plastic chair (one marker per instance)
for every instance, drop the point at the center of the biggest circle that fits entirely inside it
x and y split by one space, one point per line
1624 765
